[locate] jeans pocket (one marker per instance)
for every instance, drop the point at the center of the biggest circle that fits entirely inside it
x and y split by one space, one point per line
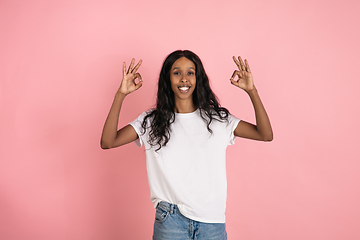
161 214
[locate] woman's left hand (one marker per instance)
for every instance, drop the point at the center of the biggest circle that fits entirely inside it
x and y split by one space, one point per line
244 79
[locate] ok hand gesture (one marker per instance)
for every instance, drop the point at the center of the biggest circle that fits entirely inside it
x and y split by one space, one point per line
244 79
128 83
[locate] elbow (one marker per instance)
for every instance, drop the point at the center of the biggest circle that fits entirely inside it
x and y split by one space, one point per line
268 138
104 145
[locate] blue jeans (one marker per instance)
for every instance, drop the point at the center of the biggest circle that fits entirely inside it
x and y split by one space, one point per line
170 224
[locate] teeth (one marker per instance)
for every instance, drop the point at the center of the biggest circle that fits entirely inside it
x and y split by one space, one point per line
184 88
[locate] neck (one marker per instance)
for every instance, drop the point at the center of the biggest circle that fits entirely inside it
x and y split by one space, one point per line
184 106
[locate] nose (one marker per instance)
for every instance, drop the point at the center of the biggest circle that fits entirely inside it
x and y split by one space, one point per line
184 79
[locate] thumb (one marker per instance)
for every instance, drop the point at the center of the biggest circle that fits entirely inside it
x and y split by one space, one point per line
139 84
233 82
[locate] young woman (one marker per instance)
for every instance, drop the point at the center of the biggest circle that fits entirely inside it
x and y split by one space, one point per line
185 138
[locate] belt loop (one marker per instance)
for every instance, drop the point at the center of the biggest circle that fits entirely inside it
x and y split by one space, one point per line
172 208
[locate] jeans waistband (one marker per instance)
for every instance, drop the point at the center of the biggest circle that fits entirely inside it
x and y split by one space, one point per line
169 207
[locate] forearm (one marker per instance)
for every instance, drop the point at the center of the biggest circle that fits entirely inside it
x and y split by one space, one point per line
111 124
263 125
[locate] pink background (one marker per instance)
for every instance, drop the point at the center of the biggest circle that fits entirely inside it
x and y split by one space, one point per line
60 65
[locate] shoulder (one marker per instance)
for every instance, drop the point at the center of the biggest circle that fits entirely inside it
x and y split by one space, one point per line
145 114
140 119
232 118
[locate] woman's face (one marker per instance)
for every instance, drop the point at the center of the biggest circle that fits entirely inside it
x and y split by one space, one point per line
183 79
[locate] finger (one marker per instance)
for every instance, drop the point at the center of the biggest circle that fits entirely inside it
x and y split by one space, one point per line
136 67
237 62
241 63
233 82
236 72
131 65
247 66
139 84
124 68
137 75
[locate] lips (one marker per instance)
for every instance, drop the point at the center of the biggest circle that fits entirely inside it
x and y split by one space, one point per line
184 89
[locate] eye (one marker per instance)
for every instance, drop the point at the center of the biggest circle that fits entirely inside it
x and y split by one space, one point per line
190 73
176 73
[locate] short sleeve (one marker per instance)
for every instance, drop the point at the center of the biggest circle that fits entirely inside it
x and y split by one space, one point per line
136 124
233 122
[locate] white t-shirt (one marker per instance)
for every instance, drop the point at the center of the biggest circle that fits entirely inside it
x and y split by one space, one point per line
190 171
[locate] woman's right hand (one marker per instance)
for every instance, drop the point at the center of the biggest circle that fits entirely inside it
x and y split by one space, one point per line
128 83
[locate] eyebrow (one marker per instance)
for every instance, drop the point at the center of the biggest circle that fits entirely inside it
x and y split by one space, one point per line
179 68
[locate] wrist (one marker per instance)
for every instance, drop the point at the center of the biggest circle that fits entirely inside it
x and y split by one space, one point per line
120 95
251 91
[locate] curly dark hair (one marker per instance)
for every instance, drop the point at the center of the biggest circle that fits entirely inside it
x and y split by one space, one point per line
163 115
